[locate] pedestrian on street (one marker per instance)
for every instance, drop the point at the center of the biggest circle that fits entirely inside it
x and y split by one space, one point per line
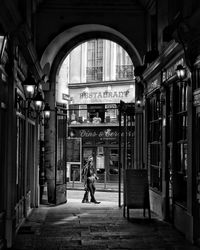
84 177
89 177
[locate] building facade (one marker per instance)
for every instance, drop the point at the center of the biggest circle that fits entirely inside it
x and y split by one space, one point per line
93 79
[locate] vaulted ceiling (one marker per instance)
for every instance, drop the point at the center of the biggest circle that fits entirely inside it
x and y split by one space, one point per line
136 5
125 16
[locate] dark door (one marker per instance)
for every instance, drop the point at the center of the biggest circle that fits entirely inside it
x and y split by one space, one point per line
60 156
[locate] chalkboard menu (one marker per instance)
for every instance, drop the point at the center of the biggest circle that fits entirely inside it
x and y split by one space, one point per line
136 190
73 149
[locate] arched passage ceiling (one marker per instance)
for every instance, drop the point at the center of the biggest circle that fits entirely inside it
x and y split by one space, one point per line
148 5
123 19
66 40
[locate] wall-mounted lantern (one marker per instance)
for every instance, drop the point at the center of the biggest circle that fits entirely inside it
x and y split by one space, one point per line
47 112
39 102
34 98
181 72
29 86
138 103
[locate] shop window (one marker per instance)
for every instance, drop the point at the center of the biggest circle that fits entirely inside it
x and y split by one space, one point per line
113 162
93 113
196 78
20 171
73 113
30 149
197 154
181 140
3 128
111 113
100 171
154 141
96 113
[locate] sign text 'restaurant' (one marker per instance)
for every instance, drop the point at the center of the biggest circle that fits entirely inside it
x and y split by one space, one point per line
105 94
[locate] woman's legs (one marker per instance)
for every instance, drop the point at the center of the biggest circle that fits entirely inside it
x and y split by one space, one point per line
85 197
92 189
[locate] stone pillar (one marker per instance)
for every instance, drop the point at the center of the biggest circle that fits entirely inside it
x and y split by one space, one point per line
139 122
50 150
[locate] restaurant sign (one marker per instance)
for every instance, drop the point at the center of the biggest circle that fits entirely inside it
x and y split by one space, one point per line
98 134
103 94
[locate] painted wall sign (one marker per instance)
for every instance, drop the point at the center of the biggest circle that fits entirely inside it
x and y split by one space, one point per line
169 72
107 133
102 94
153 85
98 134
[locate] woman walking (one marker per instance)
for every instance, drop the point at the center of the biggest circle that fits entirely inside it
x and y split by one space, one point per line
89 177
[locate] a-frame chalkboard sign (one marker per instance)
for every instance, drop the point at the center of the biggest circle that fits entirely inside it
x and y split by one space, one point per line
136 190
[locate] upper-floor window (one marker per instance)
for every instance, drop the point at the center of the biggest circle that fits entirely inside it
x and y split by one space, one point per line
94 60
124 66
93 63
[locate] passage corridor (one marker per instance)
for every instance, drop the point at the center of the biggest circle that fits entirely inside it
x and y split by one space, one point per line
77 225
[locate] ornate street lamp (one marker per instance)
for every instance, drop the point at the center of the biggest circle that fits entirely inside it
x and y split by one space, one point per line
38 101
180 71
138 103
47 111
29 86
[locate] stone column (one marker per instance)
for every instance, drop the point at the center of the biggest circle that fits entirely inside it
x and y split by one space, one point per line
139 125
50 150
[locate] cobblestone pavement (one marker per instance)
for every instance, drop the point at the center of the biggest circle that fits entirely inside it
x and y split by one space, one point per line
78 226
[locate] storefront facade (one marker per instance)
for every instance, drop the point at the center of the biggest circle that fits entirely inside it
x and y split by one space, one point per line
94 118
169 139
102 144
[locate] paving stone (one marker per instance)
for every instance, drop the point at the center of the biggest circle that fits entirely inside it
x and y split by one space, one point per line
77 226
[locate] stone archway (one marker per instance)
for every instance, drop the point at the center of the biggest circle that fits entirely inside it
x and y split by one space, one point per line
51 60
65 37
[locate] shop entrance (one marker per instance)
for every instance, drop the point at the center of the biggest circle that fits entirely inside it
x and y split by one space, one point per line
106 162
